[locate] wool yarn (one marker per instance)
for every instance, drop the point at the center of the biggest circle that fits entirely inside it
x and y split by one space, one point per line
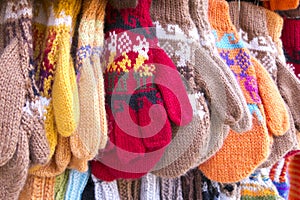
76 184
293 175
150 187
105 190
129 189
60 187
137 95
192 185
250 74
122 4
171 188
199 13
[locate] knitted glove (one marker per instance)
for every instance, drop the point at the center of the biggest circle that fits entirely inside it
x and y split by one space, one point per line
191 185
123 4
38 188
252 32
60 187
128 108
76 184
170 188
199 13
150 188
259 91
129 189
105 190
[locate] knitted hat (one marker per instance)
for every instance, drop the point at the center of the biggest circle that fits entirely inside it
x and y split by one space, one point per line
128 104
122 4
38 188
281 4
76 184
253 31
89 190
294 177
61 185
170 188
129 189
150 187
105 190
291 43
259 89
199 14
259 186
192 185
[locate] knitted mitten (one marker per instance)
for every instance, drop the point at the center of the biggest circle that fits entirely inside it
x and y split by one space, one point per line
259 90
255 35
210 189
123 4
130 94
150 188
89 190
281 5
60 187
230 191
191 185
129 189
38 188
64 91
294 177
76 184
170 188
199 14
259 186
105 190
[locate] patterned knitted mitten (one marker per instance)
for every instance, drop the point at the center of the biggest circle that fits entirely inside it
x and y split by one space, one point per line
258 185
38 188
60 187
255 35
199 14
191 185
105 190
129 189
76 184
210 189
259 90
170 188
137 77
150 188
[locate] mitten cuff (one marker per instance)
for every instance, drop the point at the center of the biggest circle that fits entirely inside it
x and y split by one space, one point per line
290 34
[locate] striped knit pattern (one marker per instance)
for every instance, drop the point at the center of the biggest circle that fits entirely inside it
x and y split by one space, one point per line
257 186
60 187
294 177
259 89
170 188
